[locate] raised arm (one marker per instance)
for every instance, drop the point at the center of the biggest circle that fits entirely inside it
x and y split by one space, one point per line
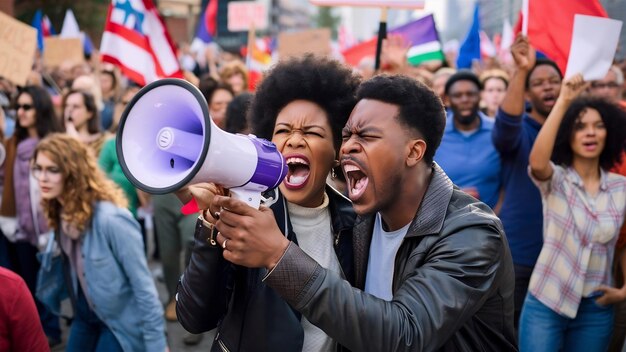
539 159
507 131
524 56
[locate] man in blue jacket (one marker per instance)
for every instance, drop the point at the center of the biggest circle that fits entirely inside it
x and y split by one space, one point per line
514 133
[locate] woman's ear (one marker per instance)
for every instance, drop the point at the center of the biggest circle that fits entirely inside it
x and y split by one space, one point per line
417 150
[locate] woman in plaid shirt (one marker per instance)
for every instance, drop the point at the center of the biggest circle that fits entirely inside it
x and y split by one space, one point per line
569 304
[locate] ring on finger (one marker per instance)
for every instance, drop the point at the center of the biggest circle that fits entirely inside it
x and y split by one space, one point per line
224 244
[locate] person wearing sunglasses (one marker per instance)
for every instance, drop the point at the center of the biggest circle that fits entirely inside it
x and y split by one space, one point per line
22 218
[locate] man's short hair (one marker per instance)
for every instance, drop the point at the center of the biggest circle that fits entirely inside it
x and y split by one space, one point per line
463 75
420 108
539 62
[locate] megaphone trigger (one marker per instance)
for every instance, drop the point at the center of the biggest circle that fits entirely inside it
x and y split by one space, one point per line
190 208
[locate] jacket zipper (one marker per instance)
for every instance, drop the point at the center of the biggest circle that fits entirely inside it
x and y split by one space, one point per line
223 346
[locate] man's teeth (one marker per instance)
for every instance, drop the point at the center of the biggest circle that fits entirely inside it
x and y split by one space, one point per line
295 160
349 168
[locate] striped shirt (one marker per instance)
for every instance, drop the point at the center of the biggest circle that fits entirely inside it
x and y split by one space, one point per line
579 234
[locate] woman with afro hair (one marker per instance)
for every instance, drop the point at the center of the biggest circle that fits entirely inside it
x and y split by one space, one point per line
569 305
301 106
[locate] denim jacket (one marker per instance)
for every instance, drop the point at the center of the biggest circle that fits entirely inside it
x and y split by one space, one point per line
118 280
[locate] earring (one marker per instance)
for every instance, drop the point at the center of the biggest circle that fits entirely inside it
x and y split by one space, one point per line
333 174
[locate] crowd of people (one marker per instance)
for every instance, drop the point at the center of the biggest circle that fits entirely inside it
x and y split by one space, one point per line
425 208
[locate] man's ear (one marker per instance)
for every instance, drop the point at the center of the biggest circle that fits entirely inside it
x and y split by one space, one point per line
417 150
446 100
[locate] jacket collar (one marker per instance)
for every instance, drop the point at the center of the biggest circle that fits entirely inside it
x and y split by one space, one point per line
432 210
428 220
575 178
340 207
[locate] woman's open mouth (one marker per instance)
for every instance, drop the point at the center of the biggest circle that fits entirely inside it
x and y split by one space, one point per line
298 173
590 146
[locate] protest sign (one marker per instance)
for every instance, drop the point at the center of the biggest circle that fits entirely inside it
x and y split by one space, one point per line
18 42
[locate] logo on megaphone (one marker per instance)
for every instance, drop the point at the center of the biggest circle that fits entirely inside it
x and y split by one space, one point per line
166 140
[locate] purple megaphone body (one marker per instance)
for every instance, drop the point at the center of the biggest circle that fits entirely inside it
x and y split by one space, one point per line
166 140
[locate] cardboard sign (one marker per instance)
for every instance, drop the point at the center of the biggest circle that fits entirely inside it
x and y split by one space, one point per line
18 43
315 41
242 15
59 50
404 4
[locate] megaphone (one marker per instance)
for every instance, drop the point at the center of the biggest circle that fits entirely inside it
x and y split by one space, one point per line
167 140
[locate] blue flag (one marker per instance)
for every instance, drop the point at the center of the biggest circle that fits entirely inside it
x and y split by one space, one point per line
202 33
37 24
470 49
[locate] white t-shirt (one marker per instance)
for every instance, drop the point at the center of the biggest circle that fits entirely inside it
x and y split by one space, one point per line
382 256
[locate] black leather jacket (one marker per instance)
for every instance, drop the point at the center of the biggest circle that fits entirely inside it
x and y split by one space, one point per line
452 285
250 315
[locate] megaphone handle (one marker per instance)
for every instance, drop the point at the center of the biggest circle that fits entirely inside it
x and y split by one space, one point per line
252 198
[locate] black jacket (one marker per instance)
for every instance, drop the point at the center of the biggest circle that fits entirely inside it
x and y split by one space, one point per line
250 315
452 285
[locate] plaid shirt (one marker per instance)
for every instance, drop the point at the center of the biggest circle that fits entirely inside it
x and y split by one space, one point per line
579 234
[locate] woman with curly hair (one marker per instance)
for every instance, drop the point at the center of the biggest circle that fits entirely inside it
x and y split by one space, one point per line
235 74
569 305
301 105
116 306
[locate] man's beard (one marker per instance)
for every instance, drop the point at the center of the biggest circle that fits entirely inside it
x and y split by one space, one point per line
468 119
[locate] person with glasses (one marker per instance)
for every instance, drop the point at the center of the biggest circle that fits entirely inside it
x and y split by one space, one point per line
115 301
35 120
610 87
467 153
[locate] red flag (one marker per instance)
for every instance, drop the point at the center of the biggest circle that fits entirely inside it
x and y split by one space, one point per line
354 54
551 23
136 40
210 17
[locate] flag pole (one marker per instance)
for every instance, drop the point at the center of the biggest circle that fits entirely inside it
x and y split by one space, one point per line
251 44
382 34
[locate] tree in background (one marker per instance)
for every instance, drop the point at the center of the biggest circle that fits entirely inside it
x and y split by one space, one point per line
90 15
326 19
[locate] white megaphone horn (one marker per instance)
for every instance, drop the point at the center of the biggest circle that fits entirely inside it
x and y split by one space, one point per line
166 140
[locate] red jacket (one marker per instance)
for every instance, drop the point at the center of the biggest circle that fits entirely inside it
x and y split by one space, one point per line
20 327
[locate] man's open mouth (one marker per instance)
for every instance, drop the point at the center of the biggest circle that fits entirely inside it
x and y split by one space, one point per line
357 181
